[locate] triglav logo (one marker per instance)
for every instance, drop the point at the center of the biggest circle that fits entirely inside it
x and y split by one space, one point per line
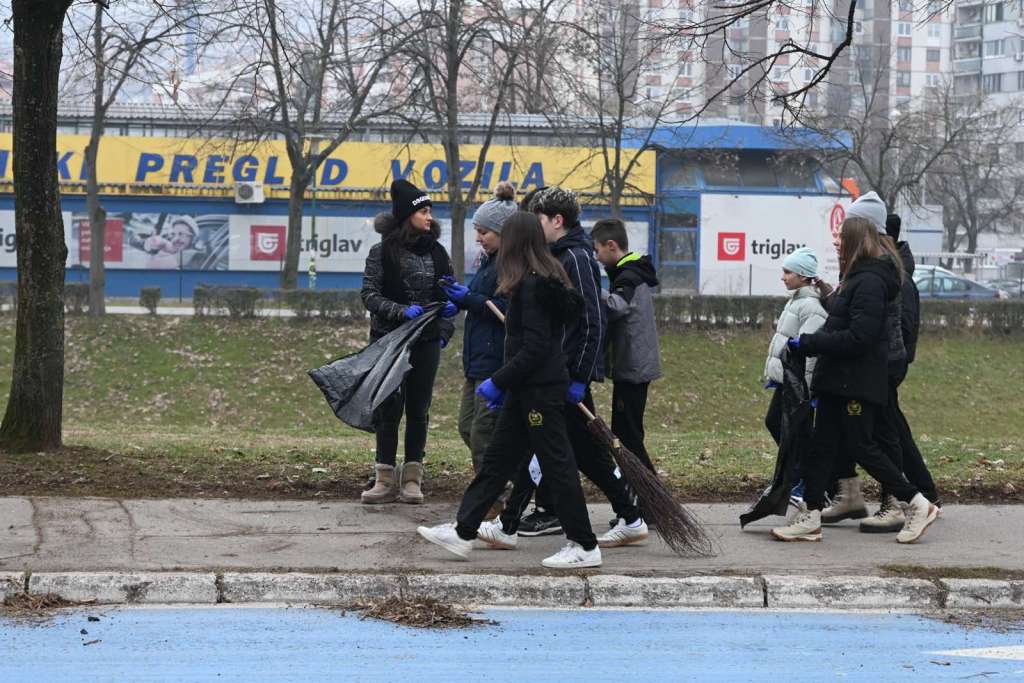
732 246
266 242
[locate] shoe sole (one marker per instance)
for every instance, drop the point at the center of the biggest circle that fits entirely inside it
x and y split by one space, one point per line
410 501
856 514
623 542
545 532
809 538
864 529
932 516
576 565
379 501
425 533
494 543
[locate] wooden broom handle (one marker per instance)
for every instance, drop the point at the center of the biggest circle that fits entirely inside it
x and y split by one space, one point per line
501 316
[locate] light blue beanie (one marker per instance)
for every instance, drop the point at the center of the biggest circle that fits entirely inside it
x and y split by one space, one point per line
803 262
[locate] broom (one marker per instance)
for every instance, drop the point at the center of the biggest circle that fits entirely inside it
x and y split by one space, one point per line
681 531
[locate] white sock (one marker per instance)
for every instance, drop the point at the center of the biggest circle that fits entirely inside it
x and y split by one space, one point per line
636 524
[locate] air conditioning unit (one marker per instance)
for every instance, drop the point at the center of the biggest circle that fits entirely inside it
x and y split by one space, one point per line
1020 21
249 193
1019 56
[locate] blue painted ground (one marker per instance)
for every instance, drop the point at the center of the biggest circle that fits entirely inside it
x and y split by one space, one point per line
267 644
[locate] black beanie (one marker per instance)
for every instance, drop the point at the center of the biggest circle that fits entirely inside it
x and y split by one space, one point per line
407 199
892 226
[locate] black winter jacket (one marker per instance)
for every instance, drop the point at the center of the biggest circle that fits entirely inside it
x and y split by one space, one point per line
418 286
911 303
583 341
897 351
538 313
483 343
852 346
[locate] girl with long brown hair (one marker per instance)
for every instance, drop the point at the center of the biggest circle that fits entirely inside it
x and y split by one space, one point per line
529 390
851 385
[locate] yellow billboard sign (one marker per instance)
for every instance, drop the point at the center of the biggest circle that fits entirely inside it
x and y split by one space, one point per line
185 165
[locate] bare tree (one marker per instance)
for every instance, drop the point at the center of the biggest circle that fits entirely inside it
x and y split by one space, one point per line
309 72
130 44
34 409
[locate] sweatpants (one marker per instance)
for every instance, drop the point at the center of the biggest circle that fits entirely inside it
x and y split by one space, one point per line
414 397
594 462
838 423
629 401
532 421
476 421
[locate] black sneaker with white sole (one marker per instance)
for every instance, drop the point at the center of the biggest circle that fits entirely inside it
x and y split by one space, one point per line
540 522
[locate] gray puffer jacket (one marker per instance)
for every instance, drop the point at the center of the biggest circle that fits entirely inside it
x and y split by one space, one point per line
803 314
633 354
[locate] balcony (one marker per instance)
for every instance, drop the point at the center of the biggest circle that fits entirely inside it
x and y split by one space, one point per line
969 3
970 65
969 32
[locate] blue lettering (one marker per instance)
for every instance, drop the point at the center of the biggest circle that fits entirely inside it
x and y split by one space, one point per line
397 172
182 166
148 163
245 168
488 172
62 165
271 177
214 169
5 155
435 174
506 171
334 172
534 175
465 168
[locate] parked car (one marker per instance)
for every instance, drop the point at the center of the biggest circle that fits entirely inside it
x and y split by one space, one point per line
938 283
1014 288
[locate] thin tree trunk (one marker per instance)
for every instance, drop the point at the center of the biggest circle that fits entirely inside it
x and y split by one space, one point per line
97 214
34 409
293 247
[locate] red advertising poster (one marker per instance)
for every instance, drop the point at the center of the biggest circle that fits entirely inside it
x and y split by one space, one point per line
732 246
113 244
266 242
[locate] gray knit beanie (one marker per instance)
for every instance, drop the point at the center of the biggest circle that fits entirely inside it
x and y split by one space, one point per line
493 213
871 208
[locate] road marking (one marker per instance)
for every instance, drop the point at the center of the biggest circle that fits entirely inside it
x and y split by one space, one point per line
1012 652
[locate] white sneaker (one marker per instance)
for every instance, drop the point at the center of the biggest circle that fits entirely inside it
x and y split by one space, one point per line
573 556
623 534
920 514
493 536
444 535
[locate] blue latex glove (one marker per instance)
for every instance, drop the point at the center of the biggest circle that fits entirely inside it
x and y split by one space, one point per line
772 384
450 310
413 311
576 392
814 403
444 342
456 292
489 391
794 343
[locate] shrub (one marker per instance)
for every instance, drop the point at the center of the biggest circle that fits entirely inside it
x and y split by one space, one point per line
149 298
9 294
76 297
340 304
241 302
203 300
302 301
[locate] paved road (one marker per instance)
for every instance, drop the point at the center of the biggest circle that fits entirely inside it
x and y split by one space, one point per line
92 534
266 644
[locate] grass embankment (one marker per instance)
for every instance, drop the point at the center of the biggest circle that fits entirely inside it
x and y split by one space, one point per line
177 406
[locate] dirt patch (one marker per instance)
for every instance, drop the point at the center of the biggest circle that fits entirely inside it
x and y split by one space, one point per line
418 613
32 607
914 571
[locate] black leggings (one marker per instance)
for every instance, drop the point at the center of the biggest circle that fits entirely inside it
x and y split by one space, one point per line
414 396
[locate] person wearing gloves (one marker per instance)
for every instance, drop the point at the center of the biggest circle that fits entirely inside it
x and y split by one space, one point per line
529 388
483 341
400 278
850 382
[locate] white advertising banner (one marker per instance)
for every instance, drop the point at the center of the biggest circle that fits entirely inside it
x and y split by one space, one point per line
341 242
9 243
744 238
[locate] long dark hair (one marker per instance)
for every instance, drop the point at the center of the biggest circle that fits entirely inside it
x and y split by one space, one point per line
396 236
861 240
523 251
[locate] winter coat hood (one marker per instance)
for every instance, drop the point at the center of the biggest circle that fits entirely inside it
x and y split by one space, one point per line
907 257
640 267
575 237
884 268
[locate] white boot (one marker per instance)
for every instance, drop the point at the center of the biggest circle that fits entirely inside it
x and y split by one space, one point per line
920 514
888 520
848 503
806 527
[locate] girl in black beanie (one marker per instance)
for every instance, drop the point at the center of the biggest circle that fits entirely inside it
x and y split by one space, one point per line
400 278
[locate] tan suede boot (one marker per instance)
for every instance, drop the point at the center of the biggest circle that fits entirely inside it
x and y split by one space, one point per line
412 479
384 489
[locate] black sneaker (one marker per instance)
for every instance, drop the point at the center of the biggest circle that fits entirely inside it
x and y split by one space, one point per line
539 523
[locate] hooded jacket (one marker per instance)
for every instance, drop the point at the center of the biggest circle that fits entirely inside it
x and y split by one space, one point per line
803 314
853 345
910 315
538 313
583 341
483 343
633 355
390 287
897 352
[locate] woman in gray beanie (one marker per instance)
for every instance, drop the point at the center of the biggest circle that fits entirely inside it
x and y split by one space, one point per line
483 344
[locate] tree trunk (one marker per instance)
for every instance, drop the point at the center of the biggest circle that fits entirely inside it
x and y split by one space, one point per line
33 417
97 214
293 247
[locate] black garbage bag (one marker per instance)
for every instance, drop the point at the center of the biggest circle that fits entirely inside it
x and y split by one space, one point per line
355 385
795 438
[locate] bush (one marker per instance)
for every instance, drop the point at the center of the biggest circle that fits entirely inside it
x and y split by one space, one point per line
241 302
149 298
76 297
302 301
993 317
340 304
203 300
9 294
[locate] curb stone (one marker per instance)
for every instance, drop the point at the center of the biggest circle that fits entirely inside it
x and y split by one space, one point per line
575 590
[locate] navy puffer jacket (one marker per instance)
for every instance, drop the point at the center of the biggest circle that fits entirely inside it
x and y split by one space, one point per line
483 346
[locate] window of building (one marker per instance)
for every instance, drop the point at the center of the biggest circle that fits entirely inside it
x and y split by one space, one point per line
934 30
733 70
1018 151
931 80
993 12
904 28
934 54
1020 80
782 24
858 27
995 48
778 73
903 79
903 54
992 83
906 5
686 68
808 74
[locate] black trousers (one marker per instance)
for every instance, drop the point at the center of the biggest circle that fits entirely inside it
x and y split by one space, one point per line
532 421
592 461
414 397
844 423
629 401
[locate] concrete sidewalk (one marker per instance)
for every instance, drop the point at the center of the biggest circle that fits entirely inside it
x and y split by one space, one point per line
247 546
